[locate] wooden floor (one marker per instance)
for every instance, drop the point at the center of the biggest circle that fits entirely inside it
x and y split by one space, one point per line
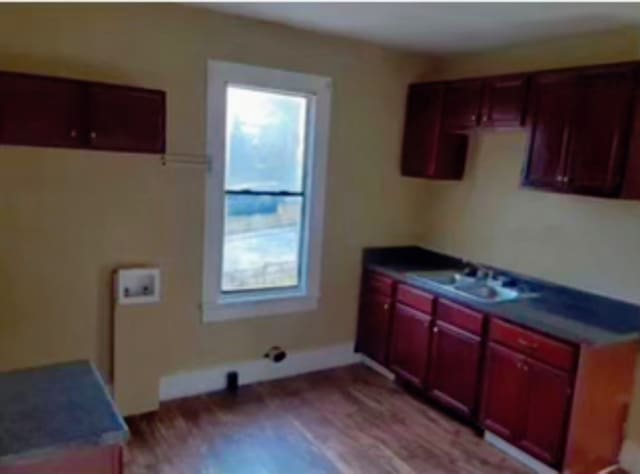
348 420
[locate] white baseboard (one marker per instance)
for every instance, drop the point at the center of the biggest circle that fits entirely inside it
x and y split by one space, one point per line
185 384
524 458
630 456
372 364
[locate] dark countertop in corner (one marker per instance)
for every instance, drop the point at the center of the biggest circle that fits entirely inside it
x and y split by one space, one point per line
563 312
46 410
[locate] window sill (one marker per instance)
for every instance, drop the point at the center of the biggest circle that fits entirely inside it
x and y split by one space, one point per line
245 308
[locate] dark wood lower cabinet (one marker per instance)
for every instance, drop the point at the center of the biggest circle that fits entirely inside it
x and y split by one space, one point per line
526 403
562 403
409 349
455 367
375 312
505 393
549 393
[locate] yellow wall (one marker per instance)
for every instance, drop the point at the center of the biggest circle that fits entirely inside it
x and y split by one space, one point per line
583 242
68 218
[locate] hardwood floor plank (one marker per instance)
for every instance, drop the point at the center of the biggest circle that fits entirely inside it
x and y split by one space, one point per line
348 420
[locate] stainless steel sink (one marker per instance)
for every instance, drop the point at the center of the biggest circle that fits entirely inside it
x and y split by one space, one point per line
485 289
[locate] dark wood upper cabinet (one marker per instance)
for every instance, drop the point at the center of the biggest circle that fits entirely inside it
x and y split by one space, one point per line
41 111
584 127
600 130
461 107
450 160
55 112
422 129
551 108
580 123
126 119
631 181
409 347
455 367
428 150
505 100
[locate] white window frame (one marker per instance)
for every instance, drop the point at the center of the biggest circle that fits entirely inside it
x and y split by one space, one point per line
217 306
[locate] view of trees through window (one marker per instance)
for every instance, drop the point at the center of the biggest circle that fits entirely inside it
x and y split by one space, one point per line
264 189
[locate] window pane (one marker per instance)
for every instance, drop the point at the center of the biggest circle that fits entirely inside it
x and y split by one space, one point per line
265 140
261 242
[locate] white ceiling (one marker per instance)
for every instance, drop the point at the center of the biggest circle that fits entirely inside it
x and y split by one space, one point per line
443 27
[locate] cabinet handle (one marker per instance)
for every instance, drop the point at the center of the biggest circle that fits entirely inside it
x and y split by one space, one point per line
435 330
93 135
386 306
73 133
559 179
566 179
529 345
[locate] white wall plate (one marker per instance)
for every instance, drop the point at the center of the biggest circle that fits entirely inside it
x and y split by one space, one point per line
138 285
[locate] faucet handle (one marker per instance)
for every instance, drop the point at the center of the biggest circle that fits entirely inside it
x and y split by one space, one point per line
470 269
485 273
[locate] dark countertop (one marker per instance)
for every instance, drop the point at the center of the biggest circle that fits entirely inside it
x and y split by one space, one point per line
563 312
47 410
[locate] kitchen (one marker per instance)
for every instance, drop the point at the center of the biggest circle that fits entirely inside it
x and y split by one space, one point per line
102 210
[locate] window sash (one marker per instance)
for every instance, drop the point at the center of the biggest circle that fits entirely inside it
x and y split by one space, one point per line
301 263
309 109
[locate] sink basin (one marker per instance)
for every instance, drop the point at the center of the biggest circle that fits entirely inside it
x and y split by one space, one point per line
487 290
446 278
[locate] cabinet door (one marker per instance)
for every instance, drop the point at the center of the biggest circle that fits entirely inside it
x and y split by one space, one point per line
600 130
546 412
504 101
421 129
409 350
40 111
455 367
505 393
451 156
126 119
550 110
373 332
462 100
631 180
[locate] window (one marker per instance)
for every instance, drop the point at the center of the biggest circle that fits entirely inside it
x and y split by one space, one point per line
267 135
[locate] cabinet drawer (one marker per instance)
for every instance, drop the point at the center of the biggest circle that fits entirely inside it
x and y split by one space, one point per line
100 460
377 283
550 351
460 317
415 298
